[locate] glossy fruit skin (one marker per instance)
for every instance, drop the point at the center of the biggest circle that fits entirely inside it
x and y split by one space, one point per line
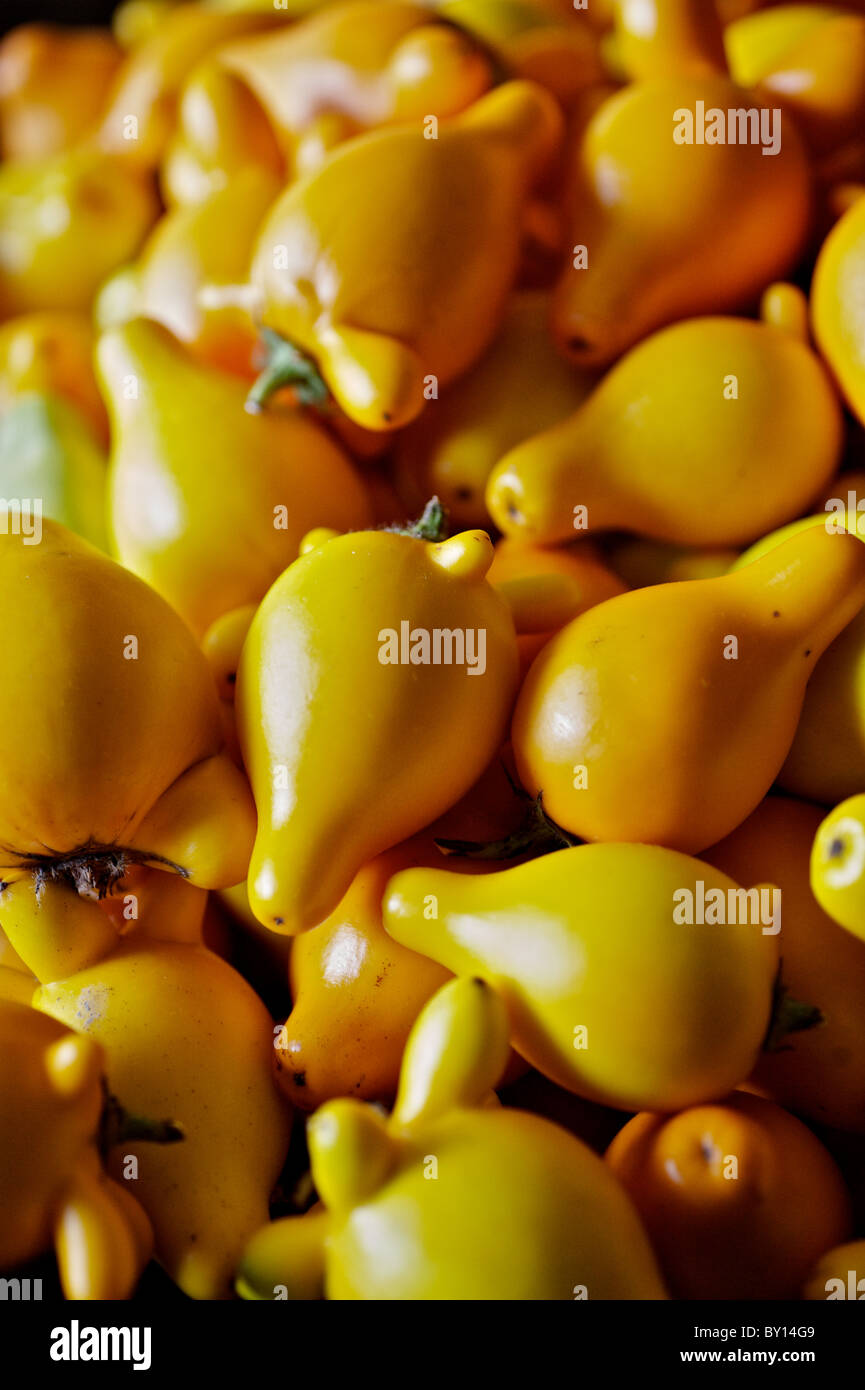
520 386
222 645
351 68
821 769
47 450
53 84
836 312
206 533
52 354
548 44
184 1035
686 230
189 272
69 220
679 742
16 986
818 1073
345 722
751 1236
661 448
579 564
150 80
837 863
509 1157
809 60
830 1277
59 932
221 133
71 613
313 267
53 1190
664 38
551 936
356 995
526 1211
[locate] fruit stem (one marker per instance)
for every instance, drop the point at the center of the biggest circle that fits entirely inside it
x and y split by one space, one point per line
788 1016
119 1126
94 870
286 365
431 525
537 834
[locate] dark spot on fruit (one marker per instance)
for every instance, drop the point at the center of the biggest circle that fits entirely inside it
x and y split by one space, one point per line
299 1078
278 921
231 677
807 651
776 614
836 848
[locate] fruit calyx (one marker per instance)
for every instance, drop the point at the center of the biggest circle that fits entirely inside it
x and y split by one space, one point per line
286 365
92 871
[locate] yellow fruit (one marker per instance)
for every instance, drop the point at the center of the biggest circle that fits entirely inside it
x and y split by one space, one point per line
709 433
368 738
185 1035
209 503
739 1198
817 1072
520 1210
674 229
406 290
664 715
520 387
610 992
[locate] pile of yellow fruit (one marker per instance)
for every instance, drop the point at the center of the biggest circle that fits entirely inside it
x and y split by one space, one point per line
432 691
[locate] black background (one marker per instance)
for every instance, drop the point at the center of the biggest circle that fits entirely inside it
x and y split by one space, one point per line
56 11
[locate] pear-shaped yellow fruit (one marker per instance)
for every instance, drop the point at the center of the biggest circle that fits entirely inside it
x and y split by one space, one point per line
451 1199
667 222
186 1036
209 503
619 986
406 291
709 433
664 715
374 688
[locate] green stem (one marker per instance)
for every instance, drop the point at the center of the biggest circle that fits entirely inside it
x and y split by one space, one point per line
286 365
431 525
120 1126
536 834
789 1015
